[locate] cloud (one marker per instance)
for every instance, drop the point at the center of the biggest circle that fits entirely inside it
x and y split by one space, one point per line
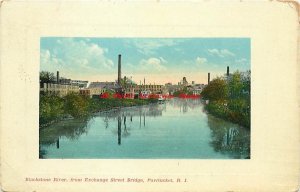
221 52
75 57
163 60
50 62
201 60
241 61
149 46
153 64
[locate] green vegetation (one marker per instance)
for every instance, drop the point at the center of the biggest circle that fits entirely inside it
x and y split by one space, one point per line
47 77
51 108
54 108
229 98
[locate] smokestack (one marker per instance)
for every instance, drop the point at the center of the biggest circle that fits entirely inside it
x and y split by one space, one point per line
57 77
119 70
227 71
208 80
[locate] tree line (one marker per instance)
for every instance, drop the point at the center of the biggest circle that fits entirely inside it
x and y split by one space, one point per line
230 97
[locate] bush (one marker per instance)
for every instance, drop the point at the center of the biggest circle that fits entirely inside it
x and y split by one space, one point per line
76 105
51 108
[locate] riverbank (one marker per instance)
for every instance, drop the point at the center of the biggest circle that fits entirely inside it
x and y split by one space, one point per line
54 108
230 98
220 109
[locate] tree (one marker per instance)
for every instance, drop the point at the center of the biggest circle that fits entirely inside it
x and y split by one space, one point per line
76 105
51 108
235 85
247 81
216 90
46 77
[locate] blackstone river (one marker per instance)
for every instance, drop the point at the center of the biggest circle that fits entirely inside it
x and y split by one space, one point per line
176 129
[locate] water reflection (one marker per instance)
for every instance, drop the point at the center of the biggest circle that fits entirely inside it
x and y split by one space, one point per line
71 129
229 138
178 128
120 115
184 105
119 130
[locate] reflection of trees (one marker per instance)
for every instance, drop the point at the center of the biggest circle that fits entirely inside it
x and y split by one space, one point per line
42 152
229 138
71 129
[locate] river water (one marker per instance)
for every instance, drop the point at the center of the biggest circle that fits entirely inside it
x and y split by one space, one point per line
176 129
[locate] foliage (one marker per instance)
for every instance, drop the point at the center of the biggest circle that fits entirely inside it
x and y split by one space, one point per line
216 90
51 108
54 108
126 81
46 77
76 105
229 98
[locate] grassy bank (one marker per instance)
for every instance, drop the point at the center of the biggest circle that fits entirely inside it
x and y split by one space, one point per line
240 115
54 108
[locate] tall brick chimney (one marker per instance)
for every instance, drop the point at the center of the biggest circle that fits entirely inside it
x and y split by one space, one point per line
57 77
227 71
119 70
208 78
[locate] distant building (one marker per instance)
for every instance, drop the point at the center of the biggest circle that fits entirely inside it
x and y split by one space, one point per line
171 88
184 82
104 85
97 88
64 81
58 89
197 89
152 88
79 83
90 92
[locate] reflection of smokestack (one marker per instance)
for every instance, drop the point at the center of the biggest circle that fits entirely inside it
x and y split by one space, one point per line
119 130
227 71
57 76
119 70
57 143
208 78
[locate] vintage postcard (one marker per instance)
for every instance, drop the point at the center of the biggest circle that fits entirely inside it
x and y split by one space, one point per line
149 96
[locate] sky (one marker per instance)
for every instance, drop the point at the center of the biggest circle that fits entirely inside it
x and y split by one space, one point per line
158 60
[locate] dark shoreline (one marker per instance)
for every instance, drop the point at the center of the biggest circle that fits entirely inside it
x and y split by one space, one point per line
225 118
43 126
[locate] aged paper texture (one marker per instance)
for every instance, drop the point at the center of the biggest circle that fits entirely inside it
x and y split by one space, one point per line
273 30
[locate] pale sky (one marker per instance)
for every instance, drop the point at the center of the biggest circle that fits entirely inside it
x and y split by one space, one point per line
159 60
